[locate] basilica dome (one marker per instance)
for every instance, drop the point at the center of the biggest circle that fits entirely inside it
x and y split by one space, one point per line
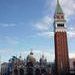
31 58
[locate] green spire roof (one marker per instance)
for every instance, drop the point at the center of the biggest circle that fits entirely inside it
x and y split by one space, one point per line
58 8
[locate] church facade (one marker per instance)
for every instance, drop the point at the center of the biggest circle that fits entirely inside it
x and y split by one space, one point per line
30 66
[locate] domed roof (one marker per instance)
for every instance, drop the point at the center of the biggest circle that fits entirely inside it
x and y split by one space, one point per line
43 59
31 53
30 57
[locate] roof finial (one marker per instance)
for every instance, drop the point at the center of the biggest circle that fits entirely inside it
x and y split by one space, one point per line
57 1
31 52
20 57
58 8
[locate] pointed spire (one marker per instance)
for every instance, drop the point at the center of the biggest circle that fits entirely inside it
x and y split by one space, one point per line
57 1
31 53
58 8
20 57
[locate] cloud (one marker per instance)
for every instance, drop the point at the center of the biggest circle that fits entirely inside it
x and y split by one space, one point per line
6 54
71 55
6 51
68 7
71 32
46 34
44 23
7 24
44 27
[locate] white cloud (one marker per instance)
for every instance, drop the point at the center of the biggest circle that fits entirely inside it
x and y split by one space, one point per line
71 28
71 55
71 32
44 23
45 29
7 24
68 7
46 34
6 54
44 26
6 51
48 54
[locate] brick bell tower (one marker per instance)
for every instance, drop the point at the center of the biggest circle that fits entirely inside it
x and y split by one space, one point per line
60 38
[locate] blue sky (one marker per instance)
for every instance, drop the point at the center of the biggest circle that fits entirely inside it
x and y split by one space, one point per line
28 24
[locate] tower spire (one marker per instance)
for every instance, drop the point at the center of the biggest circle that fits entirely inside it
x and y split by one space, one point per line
58 8
58 1
20 57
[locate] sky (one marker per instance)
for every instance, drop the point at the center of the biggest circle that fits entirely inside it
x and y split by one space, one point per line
27 25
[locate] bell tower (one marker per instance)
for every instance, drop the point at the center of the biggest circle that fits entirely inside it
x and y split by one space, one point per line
60 39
